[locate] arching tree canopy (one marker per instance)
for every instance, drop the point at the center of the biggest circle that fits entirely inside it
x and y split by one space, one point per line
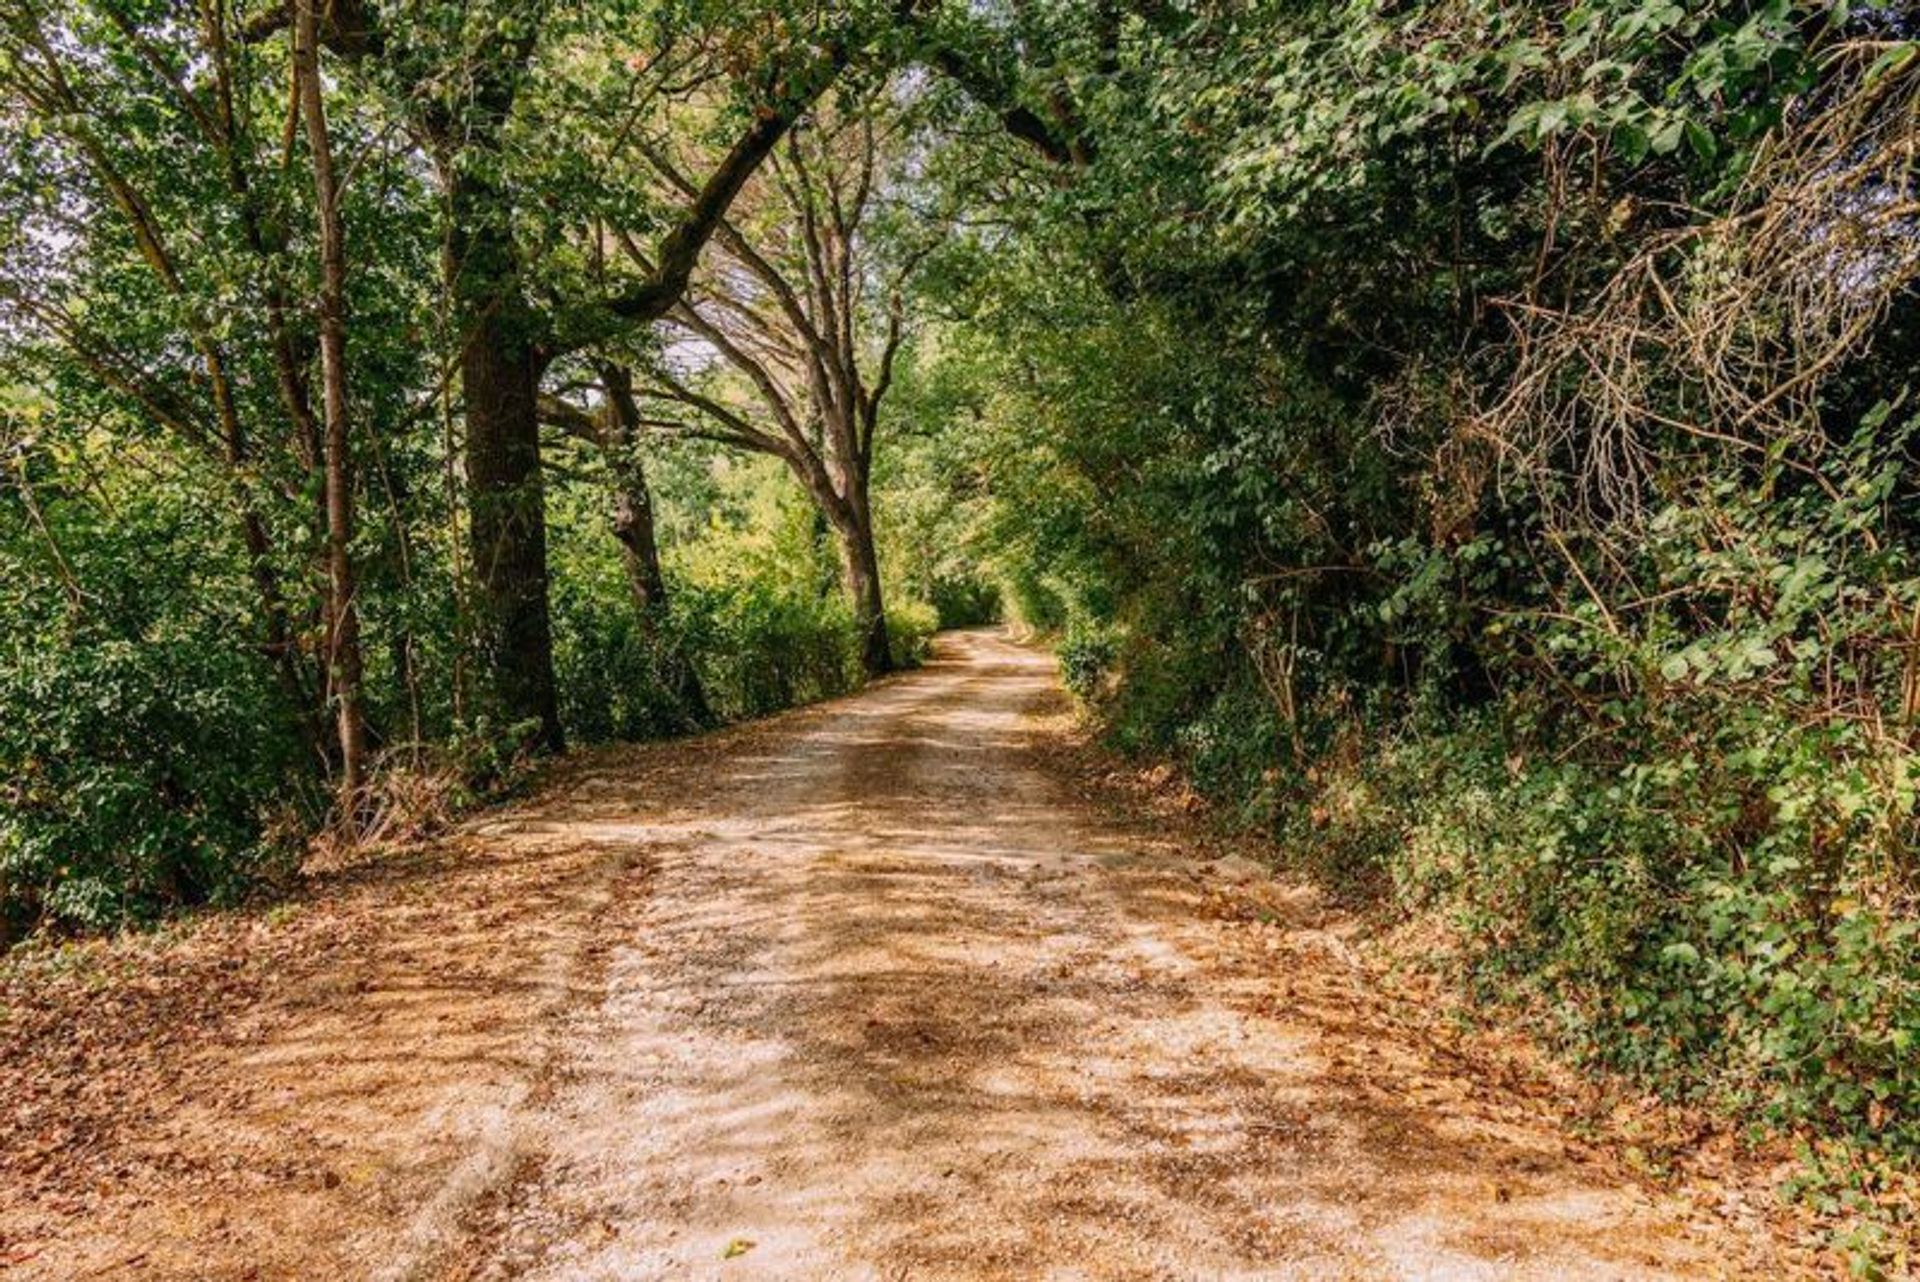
1471 439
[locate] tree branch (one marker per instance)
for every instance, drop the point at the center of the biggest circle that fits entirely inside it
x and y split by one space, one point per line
680 251
738 430
569 418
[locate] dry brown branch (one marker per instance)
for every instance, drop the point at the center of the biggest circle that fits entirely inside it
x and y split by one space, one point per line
1720 337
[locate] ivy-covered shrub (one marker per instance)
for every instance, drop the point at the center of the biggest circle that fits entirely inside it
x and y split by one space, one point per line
1656 916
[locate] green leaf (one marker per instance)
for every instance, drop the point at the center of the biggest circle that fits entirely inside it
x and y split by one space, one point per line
1890 62
1701 141
1681 952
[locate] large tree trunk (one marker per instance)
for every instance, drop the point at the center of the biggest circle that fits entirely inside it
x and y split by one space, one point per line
506 507
860 563
851 516
640 546
343 612
500 372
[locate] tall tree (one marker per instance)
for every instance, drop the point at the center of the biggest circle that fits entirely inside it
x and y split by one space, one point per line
804 305
137 300
343 611
501 362
481 62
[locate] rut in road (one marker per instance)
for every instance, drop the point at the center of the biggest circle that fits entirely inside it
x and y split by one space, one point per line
863 991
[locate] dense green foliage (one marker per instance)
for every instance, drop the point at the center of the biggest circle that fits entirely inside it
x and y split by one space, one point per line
755 609
145 763
1473 438
173 668
151 761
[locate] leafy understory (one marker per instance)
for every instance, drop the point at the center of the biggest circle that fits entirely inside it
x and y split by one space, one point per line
1473 439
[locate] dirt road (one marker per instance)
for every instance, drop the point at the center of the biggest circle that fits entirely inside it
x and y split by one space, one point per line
861 992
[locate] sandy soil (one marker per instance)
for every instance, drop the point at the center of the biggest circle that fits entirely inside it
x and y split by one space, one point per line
864 991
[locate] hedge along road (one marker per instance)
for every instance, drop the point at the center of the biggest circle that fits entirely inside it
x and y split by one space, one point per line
863 991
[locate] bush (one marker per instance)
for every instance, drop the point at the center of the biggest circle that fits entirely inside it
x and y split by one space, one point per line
965 602
136 775
618 672
1657 793
1654 921
1232 748
1682 835
1087 655
148 758
763 646
757 647
910 629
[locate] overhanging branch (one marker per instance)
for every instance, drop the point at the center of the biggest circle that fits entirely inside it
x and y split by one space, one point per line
680 251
